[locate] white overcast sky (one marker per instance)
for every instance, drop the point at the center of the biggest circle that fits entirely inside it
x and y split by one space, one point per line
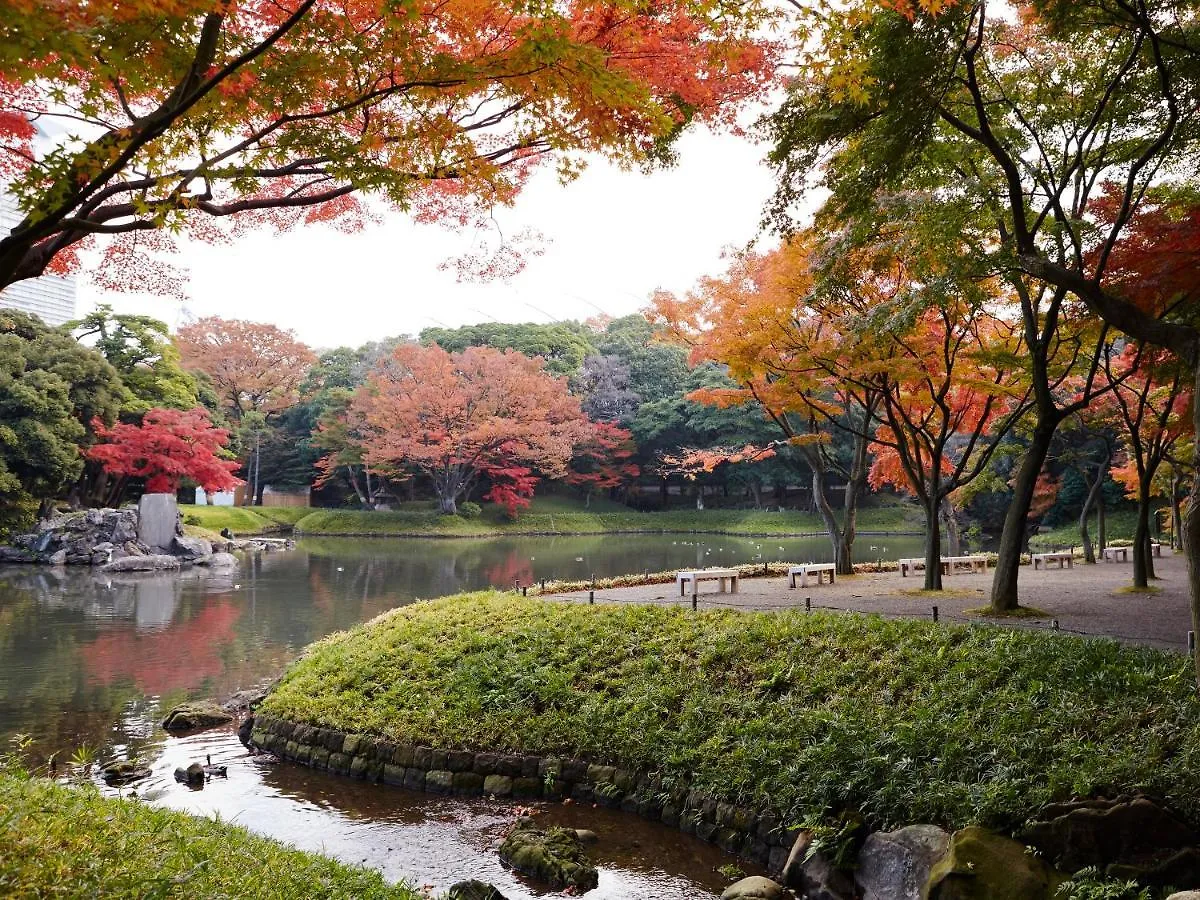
613 238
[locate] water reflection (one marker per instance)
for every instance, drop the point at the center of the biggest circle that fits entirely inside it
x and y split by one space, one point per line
93 660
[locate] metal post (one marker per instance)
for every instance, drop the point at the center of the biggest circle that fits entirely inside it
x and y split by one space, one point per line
1191 642
525 591
808 604
1056 625
591 597
935 614
693 595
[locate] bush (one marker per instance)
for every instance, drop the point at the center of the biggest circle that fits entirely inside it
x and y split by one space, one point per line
469 510
901 721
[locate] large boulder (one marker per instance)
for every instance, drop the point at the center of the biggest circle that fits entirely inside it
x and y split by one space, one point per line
150 562
554 856
191 549
1128 837
982 865
474 890
218 561
124 771
753 888
820 879
196 714
895 865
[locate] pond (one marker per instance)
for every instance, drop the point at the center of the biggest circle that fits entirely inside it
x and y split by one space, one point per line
91 661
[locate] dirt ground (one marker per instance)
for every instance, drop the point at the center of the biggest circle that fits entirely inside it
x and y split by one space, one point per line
1095 600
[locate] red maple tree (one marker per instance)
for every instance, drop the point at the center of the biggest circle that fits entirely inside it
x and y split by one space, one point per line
603 459
168 446
459 417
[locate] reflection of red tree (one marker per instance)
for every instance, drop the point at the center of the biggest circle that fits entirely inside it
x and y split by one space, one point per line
177 658
512 568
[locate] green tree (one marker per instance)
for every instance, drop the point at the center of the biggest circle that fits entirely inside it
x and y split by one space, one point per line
51 388
563 345
140 349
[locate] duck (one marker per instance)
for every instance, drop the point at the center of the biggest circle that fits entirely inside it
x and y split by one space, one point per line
210 770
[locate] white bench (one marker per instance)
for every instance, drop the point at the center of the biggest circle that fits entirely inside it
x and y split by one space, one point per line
1111 554
818 569
948 563
728 579
1060 557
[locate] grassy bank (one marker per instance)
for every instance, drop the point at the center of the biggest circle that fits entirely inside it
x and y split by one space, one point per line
1119 526
243 520
57 841
417 523
904 721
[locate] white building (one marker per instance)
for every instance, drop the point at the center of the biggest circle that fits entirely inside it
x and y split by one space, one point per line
51 297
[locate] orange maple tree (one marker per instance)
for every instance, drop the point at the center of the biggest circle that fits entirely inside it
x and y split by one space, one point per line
254 366
458 417
168 446
180 116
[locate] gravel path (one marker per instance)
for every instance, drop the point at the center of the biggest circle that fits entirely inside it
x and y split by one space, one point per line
1092 600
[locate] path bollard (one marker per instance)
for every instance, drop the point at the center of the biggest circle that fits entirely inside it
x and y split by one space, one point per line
525 591
693 596
1056 628
935 614
808 604
592 597
1191 642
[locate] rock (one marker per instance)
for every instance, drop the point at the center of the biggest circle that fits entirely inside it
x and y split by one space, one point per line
191 549
586 835
101 557
554 856
474 890
981 865
894 865
124 771
58 559
753 888
1129 837
245 730
218 561
158 514
147 563
819 879
247 699
1185 895
790 873
15 555
196 714
193 775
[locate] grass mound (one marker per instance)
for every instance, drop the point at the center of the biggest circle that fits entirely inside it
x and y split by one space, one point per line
904 721
243 520
57 841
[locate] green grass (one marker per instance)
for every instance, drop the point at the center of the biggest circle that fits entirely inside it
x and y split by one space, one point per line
903 721
541 519
243 520
1119 526
58 841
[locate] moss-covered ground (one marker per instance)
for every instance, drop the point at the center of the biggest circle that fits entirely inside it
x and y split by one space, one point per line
243 520
59 841
902 721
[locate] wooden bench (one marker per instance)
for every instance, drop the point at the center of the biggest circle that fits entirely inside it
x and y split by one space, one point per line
818 569
1059 557
949 564
728 579
1111 554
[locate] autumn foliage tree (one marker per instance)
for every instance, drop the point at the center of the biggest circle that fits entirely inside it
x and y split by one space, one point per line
603 459
458 417
167 447
180 116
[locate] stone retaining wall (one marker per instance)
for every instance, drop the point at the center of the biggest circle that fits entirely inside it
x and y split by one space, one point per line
755 835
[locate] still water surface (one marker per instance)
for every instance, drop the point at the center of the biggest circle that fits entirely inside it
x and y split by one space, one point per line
93 660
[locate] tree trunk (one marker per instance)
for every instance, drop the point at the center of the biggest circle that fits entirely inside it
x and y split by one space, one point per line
953 535
1089 554
1176 513
841 541
1012 538
446 505
1101 524
1142 567
1191 525
933 545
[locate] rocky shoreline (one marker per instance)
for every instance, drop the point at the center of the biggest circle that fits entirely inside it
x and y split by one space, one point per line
115 540
1128 837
